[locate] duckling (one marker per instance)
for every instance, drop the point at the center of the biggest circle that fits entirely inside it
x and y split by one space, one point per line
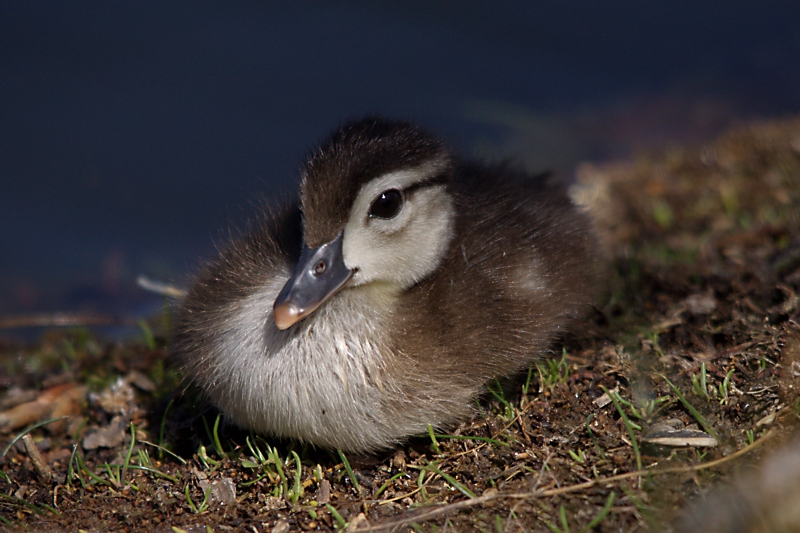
385 298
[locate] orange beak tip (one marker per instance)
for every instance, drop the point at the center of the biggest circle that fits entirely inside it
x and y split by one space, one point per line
286 315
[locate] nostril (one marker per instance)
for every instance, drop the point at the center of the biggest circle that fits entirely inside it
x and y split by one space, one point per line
320 267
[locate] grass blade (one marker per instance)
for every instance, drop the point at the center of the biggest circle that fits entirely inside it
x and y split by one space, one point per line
602 514
450 479
434 444
628 426
127 461
28 430
350 472
695 413
341 522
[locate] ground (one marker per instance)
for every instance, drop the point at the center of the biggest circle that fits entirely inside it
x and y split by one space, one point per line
682 383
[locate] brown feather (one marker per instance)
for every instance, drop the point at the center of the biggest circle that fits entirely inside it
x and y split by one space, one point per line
521 267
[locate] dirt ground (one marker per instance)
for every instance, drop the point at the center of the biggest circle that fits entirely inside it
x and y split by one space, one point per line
671 408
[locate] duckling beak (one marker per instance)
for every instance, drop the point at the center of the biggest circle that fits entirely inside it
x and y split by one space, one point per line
319 274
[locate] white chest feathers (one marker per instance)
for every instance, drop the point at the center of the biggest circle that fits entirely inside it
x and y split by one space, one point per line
323 380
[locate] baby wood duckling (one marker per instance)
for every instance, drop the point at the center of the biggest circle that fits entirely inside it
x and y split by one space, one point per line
384 300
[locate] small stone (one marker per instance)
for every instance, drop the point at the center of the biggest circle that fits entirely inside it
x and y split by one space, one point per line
399 460
668 435
281 526
115 399
201 476
223 492
324 492
604 400
272 503
360 522
767 420
700 304
109 436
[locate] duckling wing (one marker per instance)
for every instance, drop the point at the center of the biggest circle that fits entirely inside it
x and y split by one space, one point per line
522 267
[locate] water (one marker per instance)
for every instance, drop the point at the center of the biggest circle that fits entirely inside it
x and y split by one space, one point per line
134 133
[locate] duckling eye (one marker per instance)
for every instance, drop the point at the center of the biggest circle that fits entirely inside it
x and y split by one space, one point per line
387 205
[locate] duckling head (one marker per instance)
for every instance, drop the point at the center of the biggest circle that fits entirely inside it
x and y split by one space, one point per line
376 210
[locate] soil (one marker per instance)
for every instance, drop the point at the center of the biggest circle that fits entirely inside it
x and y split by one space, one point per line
661 412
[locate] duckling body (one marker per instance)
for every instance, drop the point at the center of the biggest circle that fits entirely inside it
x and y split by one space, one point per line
385 299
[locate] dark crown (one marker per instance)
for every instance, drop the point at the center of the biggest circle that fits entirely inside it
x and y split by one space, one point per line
352 156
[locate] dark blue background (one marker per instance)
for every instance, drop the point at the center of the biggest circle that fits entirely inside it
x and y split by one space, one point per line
133 133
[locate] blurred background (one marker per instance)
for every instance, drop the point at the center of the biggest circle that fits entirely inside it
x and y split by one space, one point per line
134 134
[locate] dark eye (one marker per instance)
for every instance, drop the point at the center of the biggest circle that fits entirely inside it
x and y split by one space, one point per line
387 205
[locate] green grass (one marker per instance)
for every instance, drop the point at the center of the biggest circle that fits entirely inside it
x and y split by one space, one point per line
497 391
203 506
341 523
350 472
700 383
628 426
694 412
434 469
552 372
